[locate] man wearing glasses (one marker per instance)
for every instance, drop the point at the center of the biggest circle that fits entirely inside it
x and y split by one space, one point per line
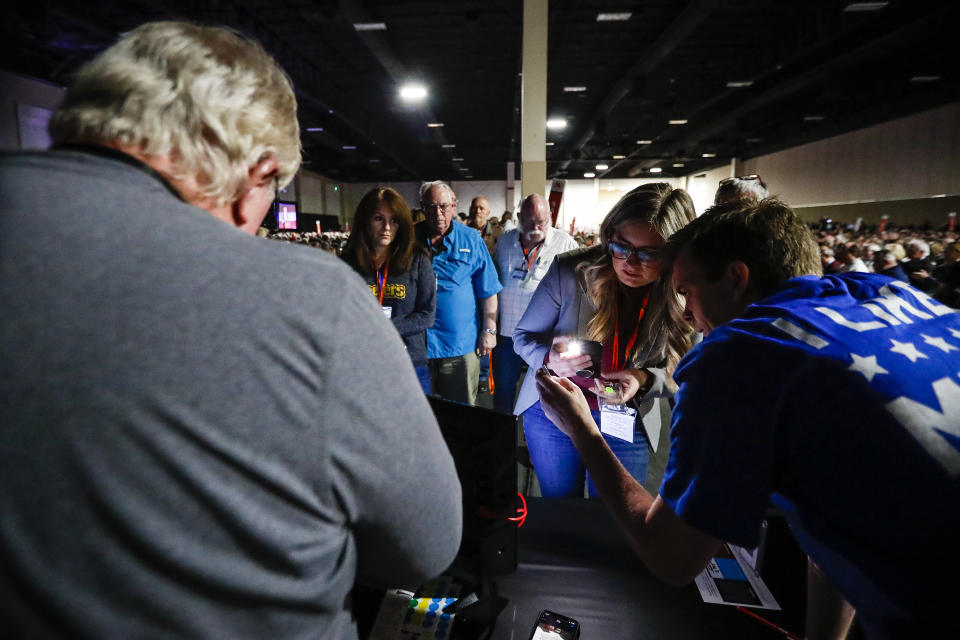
467 285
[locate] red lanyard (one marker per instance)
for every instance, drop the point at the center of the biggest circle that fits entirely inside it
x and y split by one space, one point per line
616 336
533 254
382 281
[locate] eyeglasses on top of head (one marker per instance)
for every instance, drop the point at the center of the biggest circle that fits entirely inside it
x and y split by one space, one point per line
446 207
752 176
622 251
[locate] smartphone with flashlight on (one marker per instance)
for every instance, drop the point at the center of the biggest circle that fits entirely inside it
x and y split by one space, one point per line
554 626
587 347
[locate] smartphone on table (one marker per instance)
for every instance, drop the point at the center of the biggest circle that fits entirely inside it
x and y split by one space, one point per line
555 626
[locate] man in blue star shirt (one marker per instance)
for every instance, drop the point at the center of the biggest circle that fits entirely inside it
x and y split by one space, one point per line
835 398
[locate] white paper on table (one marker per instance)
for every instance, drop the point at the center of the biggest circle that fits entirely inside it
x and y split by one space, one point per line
729 579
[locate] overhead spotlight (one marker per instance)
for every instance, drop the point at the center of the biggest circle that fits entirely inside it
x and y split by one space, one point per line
574 89
615 17
655 169
458 159
814 118
864 6
434 125
708 155
677 121
677 164
602 167
375 160
370 26
349 147
924 78
557 123
448 146
314 129
737 84
550 144
413 92
644 141
589 174
618 157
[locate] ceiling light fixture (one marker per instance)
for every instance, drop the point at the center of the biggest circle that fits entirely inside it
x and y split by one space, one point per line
644 141
617 17
349 147
413 92
865 6
370 26
655 169
813 118
589 174
314 129
448 146
708 155
550 144
678 121
619 157
737 84
924 78
458 159
374 160
602 167
557 123
434 125
574 89
677 164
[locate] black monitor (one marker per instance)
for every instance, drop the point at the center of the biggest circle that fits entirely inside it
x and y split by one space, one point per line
483 444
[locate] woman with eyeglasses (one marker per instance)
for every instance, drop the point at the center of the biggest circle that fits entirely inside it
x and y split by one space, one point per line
611 294
383 250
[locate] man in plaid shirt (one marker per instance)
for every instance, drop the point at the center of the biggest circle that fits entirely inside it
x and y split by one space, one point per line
523 256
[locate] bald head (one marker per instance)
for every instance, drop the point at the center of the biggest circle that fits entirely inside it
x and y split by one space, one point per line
534 219
479 212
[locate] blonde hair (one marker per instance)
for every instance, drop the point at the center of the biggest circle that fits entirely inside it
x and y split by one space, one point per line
212 100
663 332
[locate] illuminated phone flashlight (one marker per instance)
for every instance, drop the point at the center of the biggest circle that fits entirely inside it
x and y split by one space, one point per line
573 348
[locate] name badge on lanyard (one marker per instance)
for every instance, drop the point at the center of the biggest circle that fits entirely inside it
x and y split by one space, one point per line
387 311
617 420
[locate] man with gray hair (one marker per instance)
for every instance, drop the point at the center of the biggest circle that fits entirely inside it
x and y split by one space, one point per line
523 257
746 189
181 451
466 323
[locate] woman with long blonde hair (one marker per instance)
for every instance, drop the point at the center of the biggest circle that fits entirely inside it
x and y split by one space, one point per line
610 293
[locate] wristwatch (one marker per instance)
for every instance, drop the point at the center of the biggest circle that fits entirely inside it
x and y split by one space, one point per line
492 332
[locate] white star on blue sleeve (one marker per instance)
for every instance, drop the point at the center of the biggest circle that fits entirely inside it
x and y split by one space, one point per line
939 343
867 366
907 349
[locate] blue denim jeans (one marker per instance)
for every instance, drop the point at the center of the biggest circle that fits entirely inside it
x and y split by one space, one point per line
506 372
423 376
560 471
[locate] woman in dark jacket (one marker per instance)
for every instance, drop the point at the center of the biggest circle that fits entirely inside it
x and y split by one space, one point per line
383 250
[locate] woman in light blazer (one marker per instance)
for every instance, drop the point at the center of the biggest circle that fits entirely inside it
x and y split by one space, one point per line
611 293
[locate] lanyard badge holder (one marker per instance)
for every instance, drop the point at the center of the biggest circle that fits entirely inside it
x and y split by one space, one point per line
616 420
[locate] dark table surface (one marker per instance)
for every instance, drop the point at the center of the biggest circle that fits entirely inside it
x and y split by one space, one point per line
574 561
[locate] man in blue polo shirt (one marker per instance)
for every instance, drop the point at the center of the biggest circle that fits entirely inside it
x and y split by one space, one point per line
835 398
467 285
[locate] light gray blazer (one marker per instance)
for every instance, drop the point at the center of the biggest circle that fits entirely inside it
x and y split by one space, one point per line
560 307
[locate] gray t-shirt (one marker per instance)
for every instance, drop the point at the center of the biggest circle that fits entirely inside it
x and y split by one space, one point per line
202 433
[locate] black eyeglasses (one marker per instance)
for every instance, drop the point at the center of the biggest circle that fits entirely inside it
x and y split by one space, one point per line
623 252
446 208
752 176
